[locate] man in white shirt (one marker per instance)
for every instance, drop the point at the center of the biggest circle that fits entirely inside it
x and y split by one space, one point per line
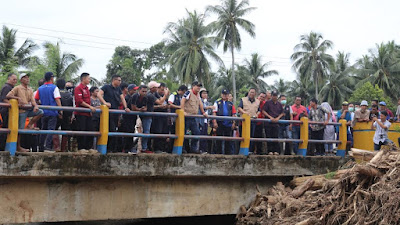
381 133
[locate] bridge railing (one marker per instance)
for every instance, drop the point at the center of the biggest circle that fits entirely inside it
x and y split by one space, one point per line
179 135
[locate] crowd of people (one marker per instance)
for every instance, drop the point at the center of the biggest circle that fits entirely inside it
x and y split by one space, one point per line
156 97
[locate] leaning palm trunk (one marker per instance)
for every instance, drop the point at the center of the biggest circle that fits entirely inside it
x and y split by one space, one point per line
233 73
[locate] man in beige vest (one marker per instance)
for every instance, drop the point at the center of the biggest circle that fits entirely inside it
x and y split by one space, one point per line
251 106
191 104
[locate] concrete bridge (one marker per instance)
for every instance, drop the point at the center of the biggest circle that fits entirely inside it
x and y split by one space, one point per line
40 187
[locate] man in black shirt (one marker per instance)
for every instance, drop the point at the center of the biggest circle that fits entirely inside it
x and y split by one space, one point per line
160 124
112 98
7 87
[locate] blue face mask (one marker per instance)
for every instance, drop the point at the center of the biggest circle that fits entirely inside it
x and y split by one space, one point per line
283 102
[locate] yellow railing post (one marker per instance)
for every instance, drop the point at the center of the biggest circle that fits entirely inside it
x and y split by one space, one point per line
304 137
103 139
13 118
246 130
179 131
341 149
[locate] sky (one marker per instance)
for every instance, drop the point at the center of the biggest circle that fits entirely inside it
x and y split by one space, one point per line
92 29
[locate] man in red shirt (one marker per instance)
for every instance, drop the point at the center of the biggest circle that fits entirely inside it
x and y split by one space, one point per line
298 112
84 119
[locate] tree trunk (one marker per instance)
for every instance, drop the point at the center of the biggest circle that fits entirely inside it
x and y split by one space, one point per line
233 72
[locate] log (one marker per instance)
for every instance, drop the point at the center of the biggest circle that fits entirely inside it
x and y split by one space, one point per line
319 180
300 190
368 171
362 155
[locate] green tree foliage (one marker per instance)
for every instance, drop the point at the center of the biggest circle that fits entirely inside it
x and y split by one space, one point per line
337 87
128 63
382 67
311 60
63 64
255 70
230 17
12 57
188 44
370 92
281 86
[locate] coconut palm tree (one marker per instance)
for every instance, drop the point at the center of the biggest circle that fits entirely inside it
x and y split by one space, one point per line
255 70
310 58
339 81
63 64
230 17
10 55
188 45
301 87
381 67
281 86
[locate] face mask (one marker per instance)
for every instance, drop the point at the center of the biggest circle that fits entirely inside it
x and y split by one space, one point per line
283 102
351 109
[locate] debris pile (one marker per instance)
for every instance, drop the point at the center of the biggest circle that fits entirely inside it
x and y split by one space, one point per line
367 193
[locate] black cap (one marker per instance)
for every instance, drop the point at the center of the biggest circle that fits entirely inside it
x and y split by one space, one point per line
224 91
274 93
196 83
48 76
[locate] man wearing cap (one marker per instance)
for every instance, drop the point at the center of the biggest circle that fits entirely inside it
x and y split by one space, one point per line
383 107
223 107
361 115
7 87
345 114
128 122
191 104
273 110
48 94
159 125
84 119
24 95
147 120
111 96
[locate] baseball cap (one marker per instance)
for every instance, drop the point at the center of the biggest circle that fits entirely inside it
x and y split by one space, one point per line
363 102
23 75
196 83
382 103
132 86
203 89
153 84
224 91
48 76
345 103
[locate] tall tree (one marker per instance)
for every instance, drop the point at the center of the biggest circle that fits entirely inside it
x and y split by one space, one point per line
256 71
10 55
188 45
337 87
281 86
381 67
63 64
230 17
310 58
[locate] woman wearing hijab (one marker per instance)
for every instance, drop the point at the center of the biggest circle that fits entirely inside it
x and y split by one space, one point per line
329 132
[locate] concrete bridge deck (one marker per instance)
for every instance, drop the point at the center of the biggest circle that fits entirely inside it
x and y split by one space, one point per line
39 187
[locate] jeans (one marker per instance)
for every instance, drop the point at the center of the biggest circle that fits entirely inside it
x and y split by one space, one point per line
192 125
296 135
284 132
84 124
146 124
48 123
204 143
227 132
28 113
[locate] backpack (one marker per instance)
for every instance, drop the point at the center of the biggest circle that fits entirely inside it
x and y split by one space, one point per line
66 100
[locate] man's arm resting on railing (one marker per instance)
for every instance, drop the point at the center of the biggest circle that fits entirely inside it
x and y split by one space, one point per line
100 96
202 109
124 103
